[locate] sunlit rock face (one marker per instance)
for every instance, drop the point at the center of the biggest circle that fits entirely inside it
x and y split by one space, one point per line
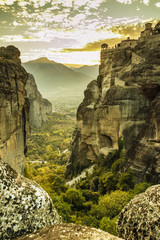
70 232
24 206
140 219
14 108
122 102
40 108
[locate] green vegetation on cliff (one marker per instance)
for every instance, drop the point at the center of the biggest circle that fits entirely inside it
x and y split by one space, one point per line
96 200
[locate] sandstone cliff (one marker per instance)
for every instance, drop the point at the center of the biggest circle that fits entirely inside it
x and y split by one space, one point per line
14 108
40 108
24 206
18 110
122 102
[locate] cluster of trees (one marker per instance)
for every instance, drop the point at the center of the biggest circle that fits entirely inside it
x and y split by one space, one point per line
97 200
51 143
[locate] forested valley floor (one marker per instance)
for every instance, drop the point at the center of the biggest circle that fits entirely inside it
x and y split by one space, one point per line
97 200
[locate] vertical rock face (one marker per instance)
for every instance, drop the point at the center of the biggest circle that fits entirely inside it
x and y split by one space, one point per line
122 102
40 108
24 206
13 108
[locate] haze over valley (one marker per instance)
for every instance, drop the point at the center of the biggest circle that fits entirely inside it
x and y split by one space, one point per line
55 79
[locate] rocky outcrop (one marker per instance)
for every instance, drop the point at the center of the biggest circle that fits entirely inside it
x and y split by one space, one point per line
140 219
40 108
122 102
68 232
24 206
14 108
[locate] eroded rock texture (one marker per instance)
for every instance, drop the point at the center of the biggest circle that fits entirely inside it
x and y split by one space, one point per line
122 102
14 108
140 219
24 206
69 232
40 108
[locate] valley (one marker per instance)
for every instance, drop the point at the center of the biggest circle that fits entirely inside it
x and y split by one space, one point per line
89 200
88 156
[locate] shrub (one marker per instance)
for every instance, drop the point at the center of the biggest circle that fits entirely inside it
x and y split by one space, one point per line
110 205
94 184
74 198
107 182
62 207
126 181
90 196
108 225
118 165
90 221
139 188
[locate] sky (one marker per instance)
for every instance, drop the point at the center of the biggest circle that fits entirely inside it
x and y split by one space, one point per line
72 31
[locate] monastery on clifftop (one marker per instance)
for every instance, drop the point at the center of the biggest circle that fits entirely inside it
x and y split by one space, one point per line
148 34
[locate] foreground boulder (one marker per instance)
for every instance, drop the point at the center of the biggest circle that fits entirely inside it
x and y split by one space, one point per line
140 219
24 206
69 232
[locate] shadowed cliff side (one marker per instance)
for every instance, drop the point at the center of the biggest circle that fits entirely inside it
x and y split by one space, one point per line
40 108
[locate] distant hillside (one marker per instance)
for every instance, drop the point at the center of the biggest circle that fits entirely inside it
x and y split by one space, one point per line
91 71
55 77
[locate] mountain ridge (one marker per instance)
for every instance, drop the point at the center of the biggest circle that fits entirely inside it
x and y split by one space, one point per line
55 77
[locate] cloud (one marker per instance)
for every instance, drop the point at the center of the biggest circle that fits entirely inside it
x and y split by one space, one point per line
17 38
90 3
7 2
94 46
126 1
146 2
122 32
132 30
157 4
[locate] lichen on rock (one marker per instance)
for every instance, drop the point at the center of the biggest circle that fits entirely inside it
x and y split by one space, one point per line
140 218
70 232
24 206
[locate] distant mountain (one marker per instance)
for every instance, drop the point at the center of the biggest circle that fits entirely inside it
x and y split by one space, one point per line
55 77
91 71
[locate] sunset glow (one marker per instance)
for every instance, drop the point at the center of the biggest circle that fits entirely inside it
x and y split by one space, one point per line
69 31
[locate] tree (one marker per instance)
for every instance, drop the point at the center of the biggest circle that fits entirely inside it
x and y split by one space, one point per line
108 225
74 198
111 204
126 181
